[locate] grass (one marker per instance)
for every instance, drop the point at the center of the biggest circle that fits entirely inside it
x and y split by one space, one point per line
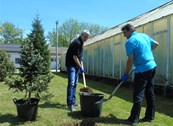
54 112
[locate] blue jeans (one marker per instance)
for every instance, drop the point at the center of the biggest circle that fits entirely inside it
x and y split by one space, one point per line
143 85
73 75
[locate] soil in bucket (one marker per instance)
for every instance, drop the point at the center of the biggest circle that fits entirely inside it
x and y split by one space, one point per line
88 106
86 89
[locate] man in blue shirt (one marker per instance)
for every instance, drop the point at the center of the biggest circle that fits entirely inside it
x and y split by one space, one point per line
74 67
139 48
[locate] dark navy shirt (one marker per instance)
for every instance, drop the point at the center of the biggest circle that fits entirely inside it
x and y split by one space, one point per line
75 48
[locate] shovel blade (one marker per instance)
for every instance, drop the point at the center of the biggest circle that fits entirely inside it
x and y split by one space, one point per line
101 101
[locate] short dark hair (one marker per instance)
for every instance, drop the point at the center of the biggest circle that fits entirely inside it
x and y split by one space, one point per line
128 27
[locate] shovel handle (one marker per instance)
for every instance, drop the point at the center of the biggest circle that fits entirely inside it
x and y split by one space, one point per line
111 95
115 89
83 75
120 84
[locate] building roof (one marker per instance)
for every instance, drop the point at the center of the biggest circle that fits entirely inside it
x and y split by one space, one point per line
10 47
157 13
61 50
16 48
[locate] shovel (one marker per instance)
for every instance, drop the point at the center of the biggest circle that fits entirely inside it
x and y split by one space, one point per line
83 75
85 89
112 94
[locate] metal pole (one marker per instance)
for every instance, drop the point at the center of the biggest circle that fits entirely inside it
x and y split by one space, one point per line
57 60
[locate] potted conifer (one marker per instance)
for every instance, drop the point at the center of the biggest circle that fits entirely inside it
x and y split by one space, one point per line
34 73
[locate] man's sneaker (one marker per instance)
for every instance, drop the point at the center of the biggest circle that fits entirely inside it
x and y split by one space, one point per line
71 108
146 120
76 104
127 122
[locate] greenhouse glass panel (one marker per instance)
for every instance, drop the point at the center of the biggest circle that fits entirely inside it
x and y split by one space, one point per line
160 58
85 59
171 51
92 59
117 55
147 29
139 29
117 59
111 58
95 58
160 35
102 57
124 56
99 58
160 25
106 56
90 65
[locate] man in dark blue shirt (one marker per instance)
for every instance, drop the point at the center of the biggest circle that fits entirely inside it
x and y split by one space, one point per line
74 67
139 48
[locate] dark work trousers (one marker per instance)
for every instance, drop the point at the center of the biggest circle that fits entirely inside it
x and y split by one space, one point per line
143 85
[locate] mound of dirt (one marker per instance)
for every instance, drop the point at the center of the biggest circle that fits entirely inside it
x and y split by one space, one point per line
86 89
83 123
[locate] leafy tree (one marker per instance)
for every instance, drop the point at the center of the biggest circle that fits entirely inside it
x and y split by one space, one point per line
1 41
71 29
10 34
52 38
7 66
93 28
62 42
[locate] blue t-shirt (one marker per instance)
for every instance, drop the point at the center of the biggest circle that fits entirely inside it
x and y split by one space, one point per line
140 46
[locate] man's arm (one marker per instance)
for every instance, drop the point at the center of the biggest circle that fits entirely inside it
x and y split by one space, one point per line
129 64
77 61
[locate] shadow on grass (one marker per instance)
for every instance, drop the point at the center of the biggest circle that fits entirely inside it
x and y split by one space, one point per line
63 75
110 119
163 105
9 118
53 105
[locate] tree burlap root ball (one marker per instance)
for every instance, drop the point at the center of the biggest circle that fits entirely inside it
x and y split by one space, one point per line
86 89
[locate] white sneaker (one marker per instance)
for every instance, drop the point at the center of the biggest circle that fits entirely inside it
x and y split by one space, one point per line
71 108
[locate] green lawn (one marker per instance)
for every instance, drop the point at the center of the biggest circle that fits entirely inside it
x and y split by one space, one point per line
54 112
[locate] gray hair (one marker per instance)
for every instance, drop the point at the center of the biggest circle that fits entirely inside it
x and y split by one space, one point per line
85 32
128 27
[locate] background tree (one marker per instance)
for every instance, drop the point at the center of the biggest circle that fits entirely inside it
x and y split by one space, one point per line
71 29
9 33
62 42
7 66
93 28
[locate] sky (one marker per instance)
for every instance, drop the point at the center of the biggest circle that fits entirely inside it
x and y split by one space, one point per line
107 13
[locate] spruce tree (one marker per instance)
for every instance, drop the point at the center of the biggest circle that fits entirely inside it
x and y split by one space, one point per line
39 42
34 75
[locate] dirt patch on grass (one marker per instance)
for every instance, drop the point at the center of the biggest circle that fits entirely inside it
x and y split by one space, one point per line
83 123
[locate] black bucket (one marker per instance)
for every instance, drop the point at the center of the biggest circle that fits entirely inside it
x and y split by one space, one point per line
27 111
89 108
